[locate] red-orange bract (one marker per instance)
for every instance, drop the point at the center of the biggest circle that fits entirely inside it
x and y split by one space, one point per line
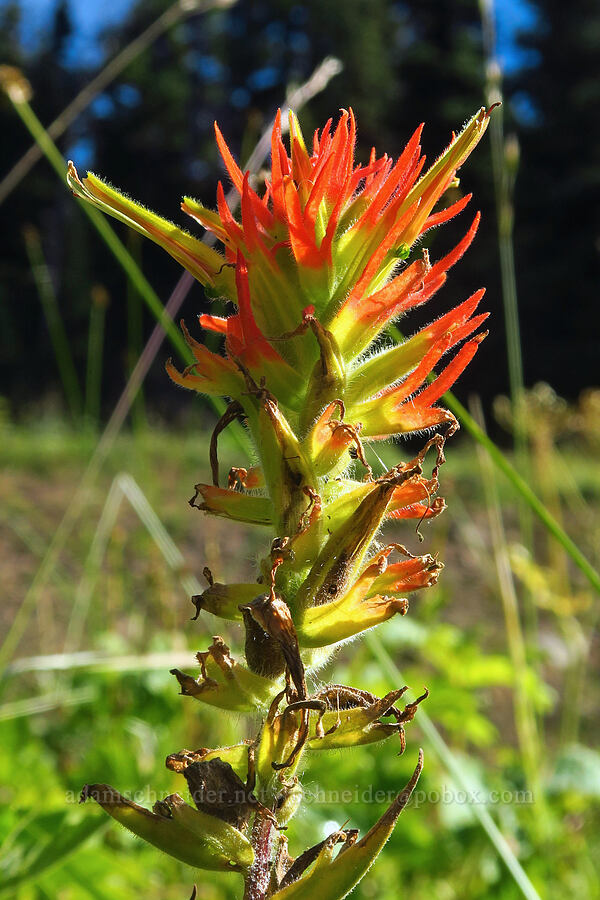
330 237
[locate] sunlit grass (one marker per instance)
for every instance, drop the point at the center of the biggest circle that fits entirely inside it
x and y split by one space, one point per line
453 640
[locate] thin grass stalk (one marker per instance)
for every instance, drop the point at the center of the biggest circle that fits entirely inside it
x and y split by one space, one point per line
115 245
95 353
504 164
80 496
46 619
578 504
157 531
166 20
56 327
586 628
30 706
452 765
577 644
96 661
134 336
136 278
91 568
32 541
525 717
524 490
505 161
578 647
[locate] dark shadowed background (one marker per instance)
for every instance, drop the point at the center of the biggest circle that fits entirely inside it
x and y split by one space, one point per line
150 133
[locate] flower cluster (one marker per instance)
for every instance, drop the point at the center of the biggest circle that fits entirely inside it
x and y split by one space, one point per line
317 266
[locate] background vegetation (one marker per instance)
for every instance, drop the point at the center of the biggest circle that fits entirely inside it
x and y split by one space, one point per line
100 550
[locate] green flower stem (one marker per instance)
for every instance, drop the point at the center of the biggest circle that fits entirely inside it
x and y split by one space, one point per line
117 248
136 277
525 718
56 327
93 381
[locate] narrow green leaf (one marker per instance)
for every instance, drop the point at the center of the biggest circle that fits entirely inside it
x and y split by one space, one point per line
180 830
334 879
44 842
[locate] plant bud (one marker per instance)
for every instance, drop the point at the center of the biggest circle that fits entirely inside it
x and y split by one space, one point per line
178 829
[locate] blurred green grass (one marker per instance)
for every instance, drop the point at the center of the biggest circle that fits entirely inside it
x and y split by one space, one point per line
118 721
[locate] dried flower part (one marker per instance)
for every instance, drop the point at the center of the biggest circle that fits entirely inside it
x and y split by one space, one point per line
236 756
296 868
225 683
225 600
282 733
350 717
217 790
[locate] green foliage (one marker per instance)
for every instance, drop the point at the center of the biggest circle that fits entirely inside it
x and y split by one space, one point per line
40 842
453 642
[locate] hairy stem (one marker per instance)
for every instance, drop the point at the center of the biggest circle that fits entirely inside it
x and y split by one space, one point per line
259 875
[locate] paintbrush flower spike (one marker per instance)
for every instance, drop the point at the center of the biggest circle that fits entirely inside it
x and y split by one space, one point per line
318 264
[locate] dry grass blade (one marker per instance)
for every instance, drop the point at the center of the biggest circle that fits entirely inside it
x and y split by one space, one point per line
525 719
112 70
93 661
56 328
46 702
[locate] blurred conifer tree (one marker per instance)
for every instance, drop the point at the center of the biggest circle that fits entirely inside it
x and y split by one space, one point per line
151 133
557 96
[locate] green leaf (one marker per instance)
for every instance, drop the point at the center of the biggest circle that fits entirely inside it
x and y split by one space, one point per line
577 771
180 830
43 842
333 879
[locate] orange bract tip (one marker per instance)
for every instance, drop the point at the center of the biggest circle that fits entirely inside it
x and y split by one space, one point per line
232 167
